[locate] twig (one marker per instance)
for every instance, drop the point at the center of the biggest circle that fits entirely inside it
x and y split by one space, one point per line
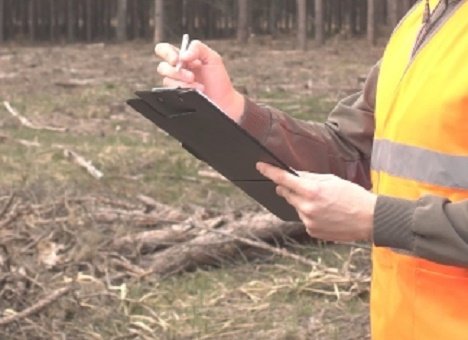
26 122
71 83
130 267
7 205
36 307
81 161
211 174
13 216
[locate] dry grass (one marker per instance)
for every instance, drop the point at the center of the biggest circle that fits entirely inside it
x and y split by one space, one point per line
52 232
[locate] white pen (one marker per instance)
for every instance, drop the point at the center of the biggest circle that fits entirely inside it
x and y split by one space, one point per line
183 48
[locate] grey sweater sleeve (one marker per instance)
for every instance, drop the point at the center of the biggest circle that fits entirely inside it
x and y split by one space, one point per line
431 227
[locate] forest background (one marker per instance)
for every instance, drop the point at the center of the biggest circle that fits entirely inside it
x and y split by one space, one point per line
120 20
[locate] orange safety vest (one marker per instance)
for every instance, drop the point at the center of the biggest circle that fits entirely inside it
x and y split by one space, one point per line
420 148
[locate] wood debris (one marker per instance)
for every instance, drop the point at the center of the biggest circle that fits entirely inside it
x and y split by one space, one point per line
44 302
72 83
83 162
27 123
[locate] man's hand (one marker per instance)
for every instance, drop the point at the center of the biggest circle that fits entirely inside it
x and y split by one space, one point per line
331 208
202 69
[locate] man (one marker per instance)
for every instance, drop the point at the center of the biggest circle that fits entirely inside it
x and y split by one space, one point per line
406 136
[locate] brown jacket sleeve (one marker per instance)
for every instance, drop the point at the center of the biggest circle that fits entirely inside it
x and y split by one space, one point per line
431 227
341 146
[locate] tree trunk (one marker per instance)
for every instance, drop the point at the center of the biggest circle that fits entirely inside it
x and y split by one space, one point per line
243 21
407 5
89 20
122 20
159 21
319 14
135 20
2 32
52 21
32 21
393 12
302 24
273 18
371 23
106 21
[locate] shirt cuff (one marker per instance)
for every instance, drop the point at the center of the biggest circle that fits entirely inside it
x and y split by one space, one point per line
393 219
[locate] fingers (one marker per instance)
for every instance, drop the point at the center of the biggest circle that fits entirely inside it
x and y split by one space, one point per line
168 53
299 185
299 202
167 70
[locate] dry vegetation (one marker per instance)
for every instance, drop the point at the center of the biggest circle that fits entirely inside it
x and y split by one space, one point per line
95 204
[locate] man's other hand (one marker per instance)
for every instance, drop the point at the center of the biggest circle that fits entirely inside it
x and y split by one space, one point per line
331 208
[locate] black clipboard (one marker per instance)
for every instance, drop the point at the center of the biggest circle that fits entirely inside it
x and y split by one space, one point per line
211 136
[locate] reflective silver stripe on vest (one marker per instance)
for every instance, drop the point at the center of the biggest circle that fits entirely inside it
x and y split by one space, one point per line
420 164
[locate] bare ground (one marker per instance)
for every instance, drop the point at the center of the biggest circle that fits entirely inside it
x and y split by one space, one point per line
65 276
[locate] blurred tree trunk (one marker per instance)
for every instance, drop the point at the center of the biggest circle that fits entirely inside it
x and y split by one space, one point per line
122 20
243 21
302 24
371 22
319 28
407 4
31 20
136 19
71 20
159 20
2 11
89 20
107 18
273 18
393 12
52 20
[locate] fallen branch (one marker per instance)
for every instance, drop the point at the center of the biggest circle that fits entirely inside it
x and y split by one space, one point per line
72 83
36 307
135 217
213 248
26 122
81 161
265 246
152 240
